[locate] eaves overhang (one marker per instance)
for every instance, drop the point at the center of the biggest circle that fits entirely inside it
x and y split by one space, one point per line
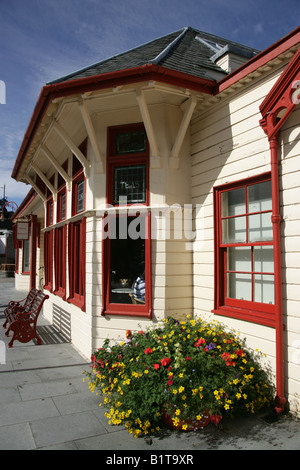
282 46
106 80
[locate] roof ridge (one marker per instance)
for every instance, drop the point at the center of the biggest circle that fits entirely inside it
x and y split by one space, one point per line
169 47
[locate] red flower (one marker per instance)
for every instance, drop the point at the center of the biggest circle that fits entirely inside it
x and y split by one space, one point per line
215 419
170 381
165 361
156 366
240 352
199 342
128 334
148 351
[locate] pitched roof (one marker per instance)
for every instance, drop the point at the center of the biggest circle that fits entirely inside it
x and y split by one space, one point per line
188 50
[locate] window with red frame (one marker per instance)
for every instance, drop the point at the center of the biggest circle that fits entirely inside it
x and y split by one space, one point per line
244 268
78 182
60 261
126 238
48 260
77 237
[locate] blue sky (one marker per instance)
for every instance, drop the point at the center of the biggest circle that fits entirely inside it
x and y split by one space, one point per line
41 40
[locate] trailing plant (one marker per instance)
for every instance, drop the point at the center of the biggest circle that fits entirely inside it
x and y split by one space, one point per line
181 369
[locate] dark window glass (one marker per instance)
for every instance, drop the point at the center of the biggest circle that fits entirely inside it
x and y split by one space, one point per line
131 142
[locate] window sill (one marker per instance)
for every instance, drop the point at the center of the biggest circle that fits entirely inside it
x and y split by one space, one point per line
49 288
133 311
253 316
60 293
80 303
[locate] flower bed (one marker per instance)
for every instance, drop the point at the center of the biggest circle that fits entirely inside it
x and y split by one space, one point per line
181 373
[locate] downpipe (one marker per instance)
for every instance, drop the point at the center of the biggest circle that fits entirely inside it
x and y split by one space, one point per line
280 400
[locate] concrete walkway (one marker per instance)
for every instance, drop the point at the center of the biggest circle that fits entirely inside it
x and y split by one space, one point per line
44 404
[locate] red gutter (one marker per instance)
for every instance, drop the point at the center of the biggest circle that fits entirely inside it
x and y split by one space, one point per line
105 80
261 59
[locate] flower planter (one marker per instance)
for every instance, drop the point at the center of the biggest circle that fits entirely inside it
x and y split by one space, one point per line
175 423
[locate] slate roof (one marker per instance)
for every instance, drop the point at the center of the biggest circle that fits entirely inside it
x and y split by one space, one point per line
188 50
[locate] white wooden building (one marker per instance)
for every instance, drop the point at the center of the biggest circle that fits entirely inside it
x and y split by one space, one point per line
180 157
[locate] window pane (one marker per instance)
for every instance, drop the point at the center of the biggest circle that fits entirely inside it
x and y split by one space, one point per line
130 182
234 230
26 254
260 227
264 289
260 197
127 260
233 202
239 286
63 207
131 142
263 259
80 196
239 259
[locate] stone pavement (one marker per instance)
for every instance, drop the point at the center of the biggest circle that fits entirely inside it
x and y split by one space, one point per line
44 404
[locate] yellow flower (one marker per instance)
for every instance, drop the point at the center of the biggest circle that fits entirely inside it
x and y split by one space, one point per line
181 389
184 427
199 417
146 371
177 412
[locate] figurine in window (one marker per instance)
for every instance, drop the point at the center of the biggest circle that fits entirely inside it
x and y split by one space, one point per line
139 288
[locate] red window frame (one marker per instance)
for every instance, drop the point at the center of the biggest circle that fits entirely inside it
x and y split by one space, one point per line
114 160
77 256
60 248
48 260
248 310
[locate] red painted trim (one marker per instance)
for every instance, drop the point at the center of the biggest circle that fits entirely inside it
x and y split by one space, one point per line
31 195
60 262
125 160
77 263
256 312
280 98
48 260
105 80
279 47
276 219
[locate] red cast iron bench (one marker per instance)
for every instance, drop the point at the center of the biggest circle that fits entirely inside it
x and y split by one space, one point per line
14 305
23 324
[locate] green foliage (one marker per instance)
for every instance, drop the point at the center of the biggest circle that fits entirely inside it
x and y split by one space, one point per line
184 369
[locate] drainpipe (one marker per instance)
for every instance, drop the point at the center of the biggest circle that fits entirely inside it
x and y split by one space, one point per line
280 400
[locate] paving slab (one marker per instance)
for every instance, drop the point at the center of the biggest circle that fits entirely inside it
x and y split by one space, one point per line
16 437
26 411
66 428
